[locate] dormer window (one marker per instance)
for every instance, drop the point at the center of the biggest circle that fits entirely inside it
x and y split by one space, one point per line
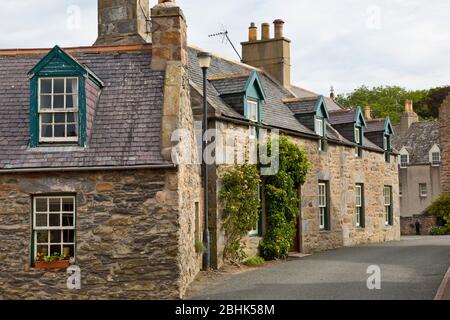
387 148
358 141
58 109
252 110
320 125
404 160
436 159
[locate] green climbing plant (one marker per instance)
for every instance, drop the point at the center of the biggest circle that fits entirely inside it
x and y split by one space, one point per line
240 198
282 200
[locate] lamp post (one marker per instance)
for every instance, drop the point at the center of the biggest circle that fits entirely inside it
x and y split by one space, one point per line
204 59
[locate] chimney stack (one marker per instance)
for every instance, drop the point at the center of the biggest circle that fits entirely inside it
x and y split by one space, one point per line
279 26
252 32
265 31
123 22
273 55
367 113
169 35
408 117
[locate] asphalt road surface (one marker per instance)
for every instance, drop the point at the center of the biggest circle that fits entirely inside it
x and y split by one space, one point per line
411 269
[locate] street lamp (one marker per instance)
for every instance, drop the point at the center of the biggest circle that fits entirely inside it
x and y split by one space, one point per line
204 60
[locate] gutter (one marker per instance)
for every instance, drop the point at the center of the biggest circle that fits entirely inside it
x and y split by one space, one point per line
81 169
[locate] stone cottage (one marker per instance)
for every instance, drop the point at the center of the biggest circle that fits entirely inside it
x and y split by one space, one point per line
351 195
85 162
87 165
419 146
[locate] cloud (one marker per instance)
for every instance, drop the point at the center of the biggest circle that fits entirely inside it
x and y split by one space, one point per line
344 43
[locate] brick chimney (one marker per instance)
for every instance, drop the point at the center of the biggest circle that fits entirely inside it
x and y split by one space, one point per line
273 55
122 22
367 113
444 133
408 117
169 33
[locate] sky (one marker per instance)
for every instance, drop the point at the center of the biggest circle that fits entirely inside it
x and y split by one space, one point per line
345 44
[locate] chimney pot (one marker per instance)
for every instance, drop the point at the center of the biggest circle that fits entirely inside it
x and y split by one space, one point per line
265 31
409 106
252 33
367 113
279 26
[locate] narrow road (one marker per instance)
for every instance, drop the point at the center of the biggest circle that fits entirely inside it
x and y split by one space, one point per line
411 269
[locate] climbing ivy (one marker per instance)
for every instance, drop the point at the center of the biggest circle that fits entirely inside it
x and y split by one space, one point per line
282 201
240 197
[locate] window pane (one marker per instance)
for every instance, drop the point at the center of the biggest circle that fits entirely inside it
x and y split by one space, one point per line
60 131
67 204
46 86
54 220
71 101
72 130
43 250
41 220
60 117
67 220
68 251
55 249
46 102
47 131
55 236
68 236
71 117
42 236
58 102
58 86
46 118
41 204
55 204
71 86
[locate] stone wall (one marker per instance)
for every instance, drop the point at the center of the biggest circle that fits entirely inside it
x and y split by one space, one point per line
444 132
128 235
408 225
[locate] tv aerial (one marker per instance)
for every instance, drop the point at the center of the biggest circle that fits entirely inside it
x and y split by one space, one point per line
225 38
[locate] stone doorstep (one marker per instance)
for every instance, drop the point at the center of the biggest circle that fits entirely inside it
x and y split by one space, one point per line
444 290
296 255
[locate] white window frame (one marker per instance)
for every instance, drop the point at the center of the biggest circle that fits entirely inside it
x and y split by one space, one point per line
423 190
252 110
52 111
322 204
436 161
359 204
387 204
53 228
358 135
404 164
320 131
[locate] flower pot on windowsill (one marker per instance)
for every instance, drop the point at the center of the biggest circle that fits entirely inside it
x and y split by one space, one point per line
59 264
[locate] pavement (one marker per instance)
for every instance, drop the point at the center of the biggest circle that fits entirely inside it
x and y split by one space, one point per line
410 269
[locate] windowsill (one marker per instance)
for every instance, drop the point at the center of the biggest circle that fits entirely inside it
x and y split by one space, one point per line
323 231
360 228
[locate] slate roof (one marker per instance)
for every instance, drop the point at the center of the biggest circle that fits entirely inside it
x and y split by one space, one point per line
231 84
126 129
342 116
418 141
375 125
332 105
302 106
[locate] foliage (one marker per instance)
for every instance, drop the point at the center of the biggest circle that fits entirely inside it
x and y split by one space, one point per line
441 209
439 231
433 101
281 200
255 262
199 247
385 101
51 258
240 196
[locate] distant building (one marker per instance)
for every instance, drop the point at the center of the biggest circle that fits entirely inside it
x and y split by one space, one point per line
419 168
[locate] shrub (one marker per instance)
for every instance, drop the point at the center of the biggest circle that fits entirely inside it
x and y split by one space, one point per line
441 209
281 200
439 231
240 196
255 262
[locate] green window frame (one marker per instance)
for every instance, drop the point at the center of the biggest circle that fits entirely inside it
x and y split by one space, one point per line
320 125
388 206
53 225
324 205
359 141
387 148
360 206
